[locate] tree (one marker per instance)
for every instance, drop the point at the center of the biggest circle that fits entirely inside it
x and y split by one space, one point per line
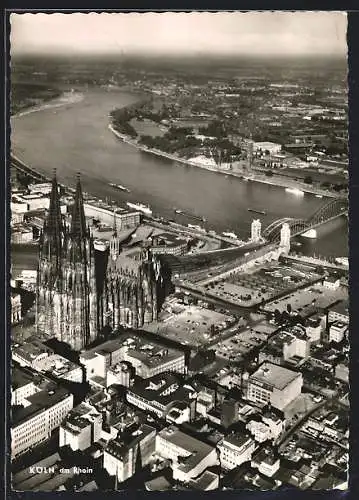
277 316
285 317
308 179
289 308
319 270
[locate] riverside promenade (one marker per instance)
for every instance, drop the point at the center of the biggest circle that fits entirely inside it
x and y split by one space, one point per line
278 181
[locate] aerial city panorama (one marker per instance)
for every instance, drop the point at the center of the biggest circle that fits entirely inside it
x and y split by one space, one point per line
179 255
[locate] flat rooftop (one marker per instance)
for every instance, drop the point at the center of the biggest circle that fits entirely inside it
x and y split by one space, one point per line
119 446
149 352
237 439
197 450
339 324
104 207
58 365
265 144
163 389
29 351
266 455
204 481
46 398
55 363
273 375
80 417
20 378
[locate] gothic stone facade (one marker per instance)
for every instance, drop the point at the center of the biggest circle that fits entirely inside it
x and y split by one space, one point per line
69 305
133 285
66 300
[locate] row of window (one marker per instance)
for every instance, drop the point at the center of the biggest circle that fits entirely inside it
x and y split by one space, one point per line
56 412
259 394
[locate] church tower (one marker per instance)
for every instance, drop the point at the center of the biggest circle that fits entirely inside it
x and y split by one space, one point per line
66 289
114 241
79 300
49 274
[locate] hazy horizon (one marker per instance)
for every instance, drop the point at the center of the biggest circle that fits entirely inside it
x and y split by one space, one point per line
196 34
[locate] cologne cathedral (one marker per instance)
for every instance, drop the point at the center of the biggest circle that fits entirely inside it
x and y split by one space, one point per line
66 300
77 293
133 285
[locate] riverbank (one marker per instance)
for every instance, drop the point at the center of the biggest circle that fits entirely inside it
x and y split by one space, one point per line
252 177
76 138
65 99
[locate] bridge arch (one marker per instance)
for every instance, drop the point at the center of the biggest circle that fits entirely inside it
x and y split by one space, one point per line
333 208
296 226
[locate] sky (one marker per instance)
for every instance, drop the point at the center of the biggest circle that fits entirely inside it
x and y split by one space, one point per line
243 33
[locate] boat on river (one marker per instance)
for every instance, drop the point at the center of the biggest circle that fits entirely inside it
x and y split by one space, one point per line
187 214
197 228
261 212
230 235
139 206
120 187
296 191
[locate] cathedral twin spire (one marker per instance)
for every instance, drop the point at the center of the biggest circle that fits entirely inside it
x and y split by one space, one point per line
67 295
54 230
53 226
66 301
78 221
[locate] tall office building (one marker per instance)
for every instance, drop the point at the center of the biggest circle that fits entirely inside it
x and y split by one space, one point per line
66 299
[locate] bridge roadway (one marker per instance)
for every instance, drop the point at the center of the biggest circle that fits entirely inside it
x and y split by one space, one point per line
318 224
303 230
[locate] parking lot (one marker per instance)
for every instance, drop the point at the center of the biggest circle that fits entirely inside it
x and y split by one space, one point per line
261 284
303 300
243 341
192 325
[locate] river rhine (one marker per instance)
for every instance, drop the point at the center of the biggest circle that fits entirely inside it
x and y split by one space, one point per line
75 138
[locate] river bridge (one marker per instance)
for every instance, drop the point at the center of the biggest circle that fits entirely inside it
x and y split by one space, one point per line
330 211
